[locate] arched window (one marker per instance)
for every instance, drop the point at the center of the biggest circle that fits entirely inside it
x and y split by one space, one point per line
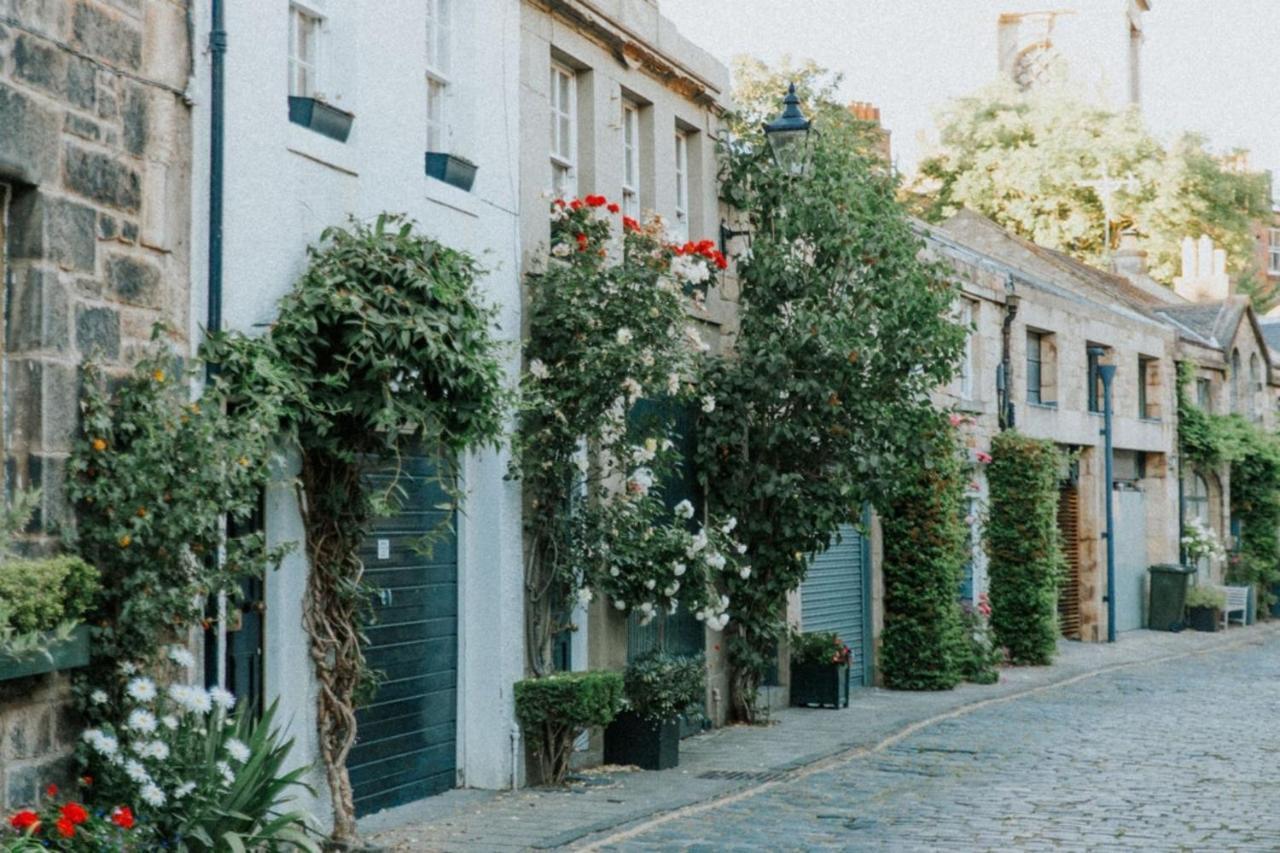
1235 380
1195 498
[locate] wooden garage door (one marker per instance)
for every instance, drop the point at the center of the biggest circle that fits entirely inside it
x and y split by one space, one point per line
407 746
833 596
1069 536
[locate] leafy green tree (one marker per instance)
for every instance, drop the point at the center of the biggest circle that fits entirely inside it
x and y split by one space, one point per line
844 331
1038 163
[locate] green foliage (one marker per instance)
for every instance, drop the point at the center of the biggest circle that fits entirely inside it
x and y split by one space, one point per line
1255 503
1205 440
1202 595
819 647
1026 561
980 657
15 516
382 345
925 549
660 686
555 709
1026 160
152 476
844 332
38 595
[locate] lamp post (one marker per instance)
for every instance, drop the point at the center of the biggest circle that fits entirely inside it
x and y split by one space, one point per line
788 137
1107 372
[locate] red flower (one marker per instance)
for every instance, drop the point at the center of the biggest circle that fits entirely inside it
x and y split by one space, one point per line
596 200
558 202
720 260
689 248
52 790
984 458
705 247
582 242
65 827
630 224
24 820
575 205
86 781
613 208
75 813
122 816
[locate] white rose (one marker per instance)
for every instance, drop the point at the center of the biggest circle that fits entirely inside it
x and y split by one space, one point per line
620 605
684 509
624 336
538 369
679 569
708 404
650 583
744 572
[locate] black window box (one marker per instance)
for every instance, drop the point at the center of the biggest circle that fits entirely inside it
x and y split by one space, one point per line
453 170
825 685
324 118
632 739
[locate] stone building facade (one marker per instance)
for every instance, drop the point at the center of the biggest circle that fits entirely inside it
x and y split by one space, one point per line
95 144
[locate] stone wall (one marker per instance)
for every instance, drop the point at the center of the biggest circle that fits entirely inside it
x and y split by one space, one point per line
94 182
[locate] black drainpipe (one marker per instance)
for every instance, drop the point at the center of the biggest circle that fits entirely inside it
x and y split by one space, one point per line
1006 415
217 108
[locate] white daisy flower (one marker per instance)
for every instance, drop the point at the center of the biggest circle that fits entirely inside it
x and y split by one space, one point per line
135 771
183 790
142 689
222 698
152 795
237 750
98 697
169 721
181 657
142 720
225 769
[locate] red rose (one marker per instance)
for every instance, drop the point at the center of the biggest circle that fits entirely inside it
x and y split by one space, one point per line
575 205
52 790
613 208
65 827
689 248
596 200
630 224
721 262
24 820
582 242
122 816
558 202
75 813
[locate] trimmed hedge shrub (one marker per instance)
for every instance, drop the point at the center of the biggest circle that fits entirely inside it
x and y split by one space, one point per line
39 595
1026 561
925 542
661 686
555 710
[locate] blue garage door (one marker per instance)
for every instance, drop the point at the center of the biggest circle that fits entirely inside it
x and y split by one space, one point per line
833 596
407 746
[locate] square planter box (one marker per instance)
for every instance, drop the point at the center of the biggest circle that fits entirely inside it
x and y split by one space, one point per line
452 169
66 654
1202 618
825 685
323 118
632 739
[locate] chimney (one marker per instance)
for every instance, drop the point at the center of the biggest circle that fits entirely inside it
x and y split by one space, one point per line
864 111
1204 271
1129 260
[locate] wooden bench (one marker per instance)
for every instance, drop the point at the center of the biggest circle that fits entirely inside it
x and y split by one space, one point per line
1237 602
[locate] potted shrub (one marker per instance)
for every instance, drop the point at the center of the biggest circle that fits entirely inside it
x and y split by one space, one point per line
658 689
820 670
42 603
554 710
452 169
1204 607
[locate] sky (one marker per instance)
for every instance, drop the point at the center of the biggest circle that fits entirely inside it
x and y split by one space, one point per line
1208 65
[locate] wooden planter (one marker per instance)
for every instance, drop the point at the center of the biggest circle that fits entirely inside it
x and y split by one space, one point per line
1203 618
632 739
70 653
824 685
324 118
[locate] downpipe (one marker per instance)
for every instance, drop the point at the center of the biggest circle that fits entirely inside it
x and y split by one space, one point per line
515 735
1107 372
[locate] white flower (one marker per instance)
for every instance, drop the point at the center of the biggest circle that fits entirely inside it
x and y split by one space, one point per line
222 698
614 571
624 336
143 689
650 583
584 597
183 789
641 482
225 769
237 750
98 697
142 720
690 268
152 795
128 668
673 383
135 771
645 453
708 404
742 548
679 569
157 749
744 572
701 615
718 622
561 250
181 656
675 605
538 369
684 510
634 390
671 589
169 721
699 542
716 560
729 524
191 698
620 605
101 742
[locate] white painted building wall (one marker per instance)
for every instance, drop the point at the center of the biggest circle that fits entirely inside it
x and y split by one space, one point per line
284 184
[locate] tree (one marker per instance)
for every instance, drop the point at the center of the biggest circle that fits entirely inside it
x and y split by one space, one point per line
1044 164
844 331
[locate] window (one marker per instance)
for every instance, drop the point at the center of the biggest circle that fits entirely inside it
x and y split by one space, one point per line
1034 365
630 159
564 131
1095 386
305 26
1273 251
439 65
682 185
1195 508
1235 380
1148 387
966 314
1203 390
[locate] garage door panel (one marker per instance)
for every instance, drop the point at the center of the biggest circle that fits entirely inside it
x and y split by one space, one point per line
832 595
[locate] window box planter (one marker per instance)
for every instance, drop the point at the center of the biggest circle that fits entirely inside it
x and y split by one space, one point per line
70 653
322 117
825 685
1203 618
452 169
632 739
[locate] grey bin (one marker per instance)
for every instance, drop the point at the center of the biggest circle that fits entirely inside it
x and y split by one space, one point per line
1168 596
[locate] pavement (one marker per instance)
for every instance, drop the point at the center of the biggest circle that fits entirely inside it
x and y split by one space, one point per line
1159 741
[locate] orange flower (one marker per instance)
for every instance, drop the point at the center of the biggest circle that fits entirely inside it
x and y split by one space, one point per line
142 512
99 444
158 375
244 461
126 540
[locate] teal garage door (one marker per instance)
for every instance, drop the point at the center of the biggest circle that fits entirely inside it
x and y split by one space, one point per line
407 745
833 596
1131 558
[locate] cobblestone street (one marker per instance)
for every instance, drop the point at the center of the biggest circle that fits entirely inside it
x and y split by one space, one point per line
1180 755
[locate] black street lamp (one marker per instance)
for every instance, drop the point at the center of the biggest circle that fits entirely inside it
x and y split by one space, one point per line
788 135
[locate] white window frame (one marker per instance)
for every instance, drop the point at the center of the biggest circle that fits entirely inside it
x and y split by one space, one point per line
967 309
564 149
682 184
1273 251
631 159
314 11
439 64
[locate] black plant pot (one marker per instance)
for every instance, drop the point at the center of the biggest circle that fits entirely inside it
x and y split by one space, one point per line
453 170
1203 618
632 739
323 118
825 685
